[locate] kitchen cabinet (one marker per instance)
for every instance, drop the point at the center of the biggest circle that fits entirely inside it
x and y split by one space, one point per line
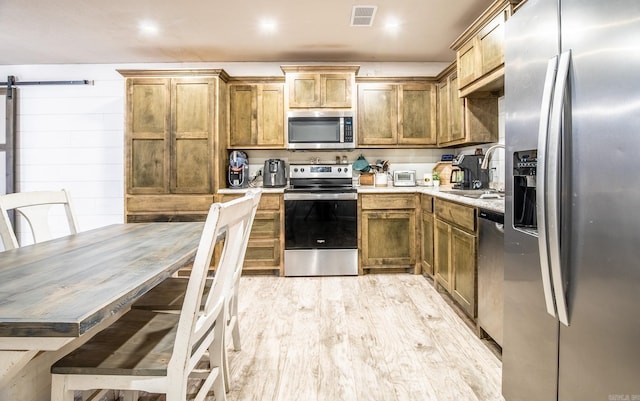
427 227
464 121
455 252
479 50
397 114
265 249
387 232
172 142
320 86
256 115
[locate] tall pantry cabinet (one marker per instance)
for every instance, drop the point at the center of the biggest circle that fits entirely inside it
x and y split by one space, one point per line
175 126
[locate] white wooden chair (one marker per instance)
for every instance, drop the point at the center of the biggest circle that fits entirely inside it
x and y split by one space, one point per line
35 208
169 295
160 352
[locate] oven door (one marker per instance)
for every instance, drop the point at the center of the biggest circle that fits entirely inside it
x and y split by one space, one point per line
321 234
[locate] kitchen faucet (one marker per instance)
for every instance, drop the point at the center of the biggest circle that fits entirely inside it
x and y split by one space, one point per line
485 162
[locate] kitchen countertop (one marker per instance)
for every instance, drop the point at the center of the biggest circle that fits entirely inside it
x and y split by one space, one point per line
493 204
496 205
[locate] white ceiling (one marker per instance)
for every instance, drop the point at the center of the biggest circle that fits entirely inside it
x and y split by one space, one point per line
106 31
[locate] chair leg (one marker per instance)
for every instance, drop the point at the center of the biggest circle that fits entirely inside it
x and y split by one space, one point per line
59 390
225 370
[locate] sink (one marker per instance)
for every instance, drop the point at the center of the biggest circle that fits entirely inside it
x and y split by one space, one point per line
476 193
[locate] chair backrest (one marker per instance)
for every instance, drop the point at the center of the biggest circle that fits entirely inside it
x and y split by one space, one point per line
195 334
34 207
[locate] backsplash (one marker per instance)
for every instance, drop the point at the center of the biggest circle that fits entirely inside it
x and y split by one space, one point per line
420 160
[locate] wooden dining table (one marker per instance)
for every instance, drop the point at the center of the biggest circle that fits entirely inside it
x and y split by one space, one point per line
55 295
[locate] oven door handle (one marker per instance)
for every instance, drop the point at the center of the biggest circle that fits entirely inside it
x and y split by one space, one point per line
321 196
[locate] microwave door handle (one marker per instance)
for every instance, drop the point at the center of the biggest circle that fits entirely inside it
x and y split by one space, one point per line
341 127
541 182
554 173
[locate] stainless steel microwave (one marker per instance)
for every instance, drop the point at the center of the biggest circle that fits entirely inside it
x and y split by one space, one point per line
320 129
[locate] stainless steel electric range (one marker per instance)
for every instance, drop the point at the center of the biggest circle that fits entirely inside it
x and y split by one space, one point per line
321 227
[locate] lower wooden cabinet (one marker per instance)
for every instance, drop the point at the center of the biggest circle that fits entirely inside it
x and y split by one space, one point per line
455 252
266 243
387 232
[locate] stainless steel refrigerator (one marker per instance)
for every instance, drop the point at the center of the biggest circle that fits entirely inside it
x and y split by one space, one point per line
572 219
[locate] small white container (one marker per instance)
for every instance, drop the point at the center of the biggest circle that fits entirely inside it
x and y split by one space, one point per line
381 180
426 179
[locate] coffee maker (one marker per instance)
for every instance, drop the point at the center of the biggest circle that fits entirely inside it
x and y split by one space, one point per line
467 173
274 173
238 170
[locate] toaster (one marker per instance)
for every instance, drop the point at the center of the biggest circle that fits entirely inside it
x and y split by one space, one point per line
404 178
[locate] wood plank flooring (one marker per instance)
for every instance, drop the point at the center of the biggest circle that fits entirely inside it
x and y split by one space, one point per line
365 338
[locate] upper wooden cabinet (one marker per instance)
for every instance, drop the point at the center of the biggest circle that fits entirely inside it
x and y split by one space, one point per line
320 86
465 121
479 50
391 114
173 122
256 115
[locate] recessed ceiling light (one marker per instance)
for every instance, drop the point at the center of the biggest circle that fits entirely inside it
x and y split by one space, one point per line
392 25
148 28
268 25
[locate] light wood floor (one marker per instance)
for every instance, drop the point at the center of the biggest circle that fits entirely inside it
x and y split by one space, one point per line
366 338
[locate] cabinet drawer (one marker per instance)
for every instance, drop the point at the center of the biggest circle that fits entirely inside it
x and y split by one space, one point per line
269 202
456 214
169 203
266 224
426 203
262 253
385 202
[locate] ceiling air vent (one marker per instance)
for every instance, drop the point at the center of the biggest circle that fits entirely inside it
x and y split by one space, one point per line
363 15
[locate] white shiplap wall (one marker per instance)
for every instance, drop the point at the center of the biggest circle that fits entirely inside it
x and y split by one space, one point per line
71 136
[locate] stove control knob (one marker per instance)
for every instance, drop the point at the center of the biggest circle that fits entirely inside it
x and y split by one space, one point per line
339 169
302 170
295 169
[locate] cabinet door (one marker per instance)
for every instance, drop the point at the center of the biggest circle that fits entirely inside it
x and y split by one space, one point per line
441 262
270 115
304 90
192 135
468 62
417 123
148 131
256 116
388 238
456 107
444 134
335 90
377 114
463 261
427 243
491 44
242 115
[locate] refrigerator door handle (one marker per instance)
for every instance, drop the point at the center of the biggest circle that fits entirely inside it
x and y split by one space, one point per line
554 171
543 133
